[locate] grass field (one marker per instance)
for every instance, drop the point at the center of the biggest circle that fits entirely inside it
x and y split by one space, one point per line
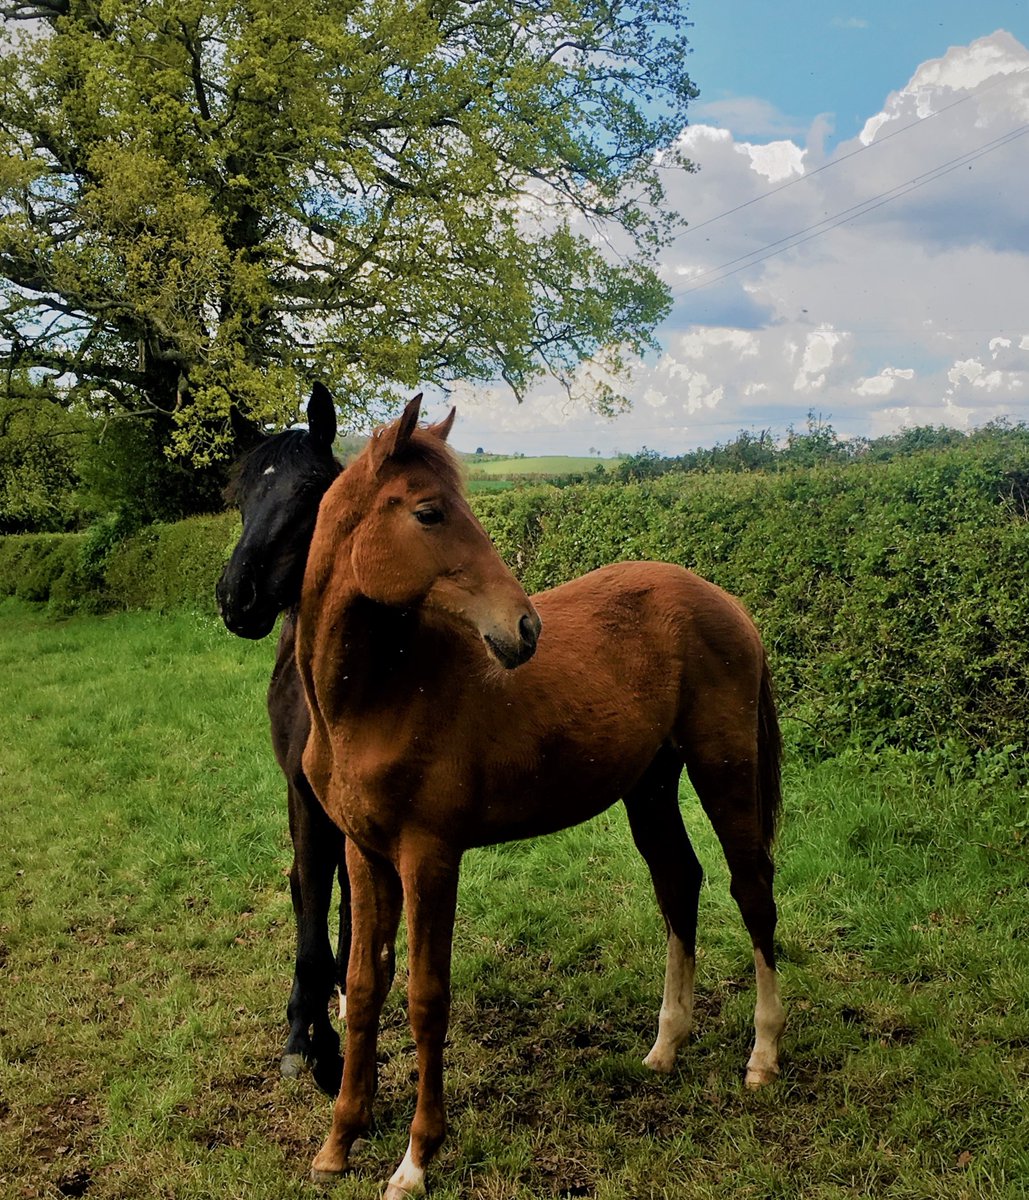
146 952
489 485
547 464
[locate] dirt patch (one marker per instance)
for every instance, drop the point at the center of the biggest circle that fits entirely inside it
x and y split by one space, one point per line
55 1145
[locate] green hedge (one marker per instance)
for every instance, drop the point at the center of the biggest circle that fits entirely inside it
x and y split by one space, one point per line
892 597
164 567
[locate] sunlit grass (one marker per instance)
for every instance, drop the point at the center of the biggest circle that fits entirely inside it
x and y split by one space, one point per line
146 951
547 464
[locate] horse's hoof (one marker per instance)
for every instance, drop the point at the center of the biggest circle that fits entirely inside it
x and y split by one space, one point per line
759 1077
393 1192
328 1073
327 1168
293 1066
660 1064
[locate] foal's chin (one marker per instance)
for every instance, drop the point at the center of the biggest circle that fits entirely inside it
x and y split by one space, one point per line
506 654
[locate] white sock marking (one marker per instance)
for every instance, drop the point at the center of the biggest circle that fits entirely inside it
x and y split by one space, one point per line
408 1178
676 1017
769 1022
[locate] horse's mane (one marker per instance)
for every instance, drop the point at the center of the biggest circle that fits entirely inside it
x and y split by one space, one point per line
288 451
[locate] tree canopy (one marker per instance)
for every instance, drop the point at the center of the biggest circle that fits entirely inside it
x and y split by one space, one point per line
209 201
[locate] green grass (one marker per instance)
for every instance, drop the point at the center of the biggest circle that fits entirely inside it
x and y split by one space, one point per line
146 952
546 464
475 486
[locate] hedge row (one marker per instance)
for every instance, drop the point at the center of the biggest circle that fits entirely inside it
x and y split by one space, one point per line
163 567
892 597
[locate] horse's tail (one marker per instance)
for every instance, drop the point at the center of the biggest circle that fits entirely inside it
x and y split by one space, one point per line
769 758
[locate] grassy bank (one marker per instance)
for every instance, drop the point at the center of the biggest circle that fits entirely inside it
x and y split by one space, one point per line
147 939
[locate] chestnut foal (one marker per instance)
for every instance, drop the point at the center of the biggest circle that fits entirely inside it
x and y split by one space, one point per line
443 718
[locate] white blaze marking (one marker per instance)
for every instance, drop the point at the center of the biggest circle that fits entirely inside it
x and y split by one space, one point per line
676 1017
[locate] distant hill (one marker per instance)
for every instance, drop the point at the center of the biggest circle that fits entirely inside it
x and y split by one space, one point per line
484 466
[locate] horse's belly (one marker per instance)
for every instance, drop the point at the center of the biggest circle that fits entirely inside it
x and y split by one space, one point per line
554 745
566 785
470 800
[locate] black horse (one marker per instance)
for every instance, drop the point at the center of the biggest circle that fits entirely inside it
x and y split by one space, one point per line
277 485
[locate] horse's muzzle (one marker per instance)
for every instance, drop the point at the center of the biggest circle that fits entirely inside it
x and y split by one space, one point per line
241 608
511 654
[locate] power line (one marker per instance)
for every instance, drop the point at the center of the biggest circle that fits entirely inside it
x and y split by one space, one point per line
844 157
848 214
868 205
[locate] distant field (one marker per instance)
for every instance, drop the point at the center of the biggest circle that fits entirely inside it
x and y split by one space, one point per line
146 951
490 485
547 464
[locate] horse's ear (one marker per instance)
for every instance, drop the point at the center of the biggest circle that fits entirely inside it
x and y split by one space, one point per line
321 416
442 428
245 431
392 439
408 422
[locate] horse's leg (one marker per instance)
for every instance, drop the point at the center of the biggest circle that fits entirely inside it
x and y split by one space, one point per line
430 894
376 901
317 849
660 836
723 767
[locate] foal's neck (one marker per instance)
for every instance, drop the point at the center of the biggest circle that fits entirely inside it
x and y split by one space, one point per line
380 657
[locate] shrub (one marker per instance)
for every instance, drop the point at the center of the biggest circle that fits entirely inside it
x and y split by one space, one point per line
35 566
891 596
160 566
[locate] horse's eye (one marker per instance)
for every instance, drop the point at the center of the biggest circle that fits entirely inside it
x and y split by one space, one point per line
429 516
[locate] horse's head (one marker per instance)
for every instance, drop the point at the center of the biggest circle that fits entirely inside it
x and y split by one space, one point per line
277 486
415 543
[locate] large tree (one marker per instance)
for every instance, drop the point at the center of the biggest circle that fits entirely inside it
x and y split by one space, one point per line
40 445
206 201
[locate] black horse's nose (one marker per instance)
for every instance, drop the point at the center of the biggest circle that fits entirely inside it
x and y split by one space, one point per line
237 595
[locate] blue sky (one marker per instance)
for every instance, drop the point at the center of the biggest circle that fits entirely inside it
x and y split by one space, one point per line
810 57
912 117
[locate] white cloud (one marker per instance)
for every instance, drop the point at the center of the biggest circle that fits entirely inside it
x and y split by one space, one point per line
948 412
654 399
817 359
698 342
775 161
967 67
962 69
883 383
973 371
912 313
